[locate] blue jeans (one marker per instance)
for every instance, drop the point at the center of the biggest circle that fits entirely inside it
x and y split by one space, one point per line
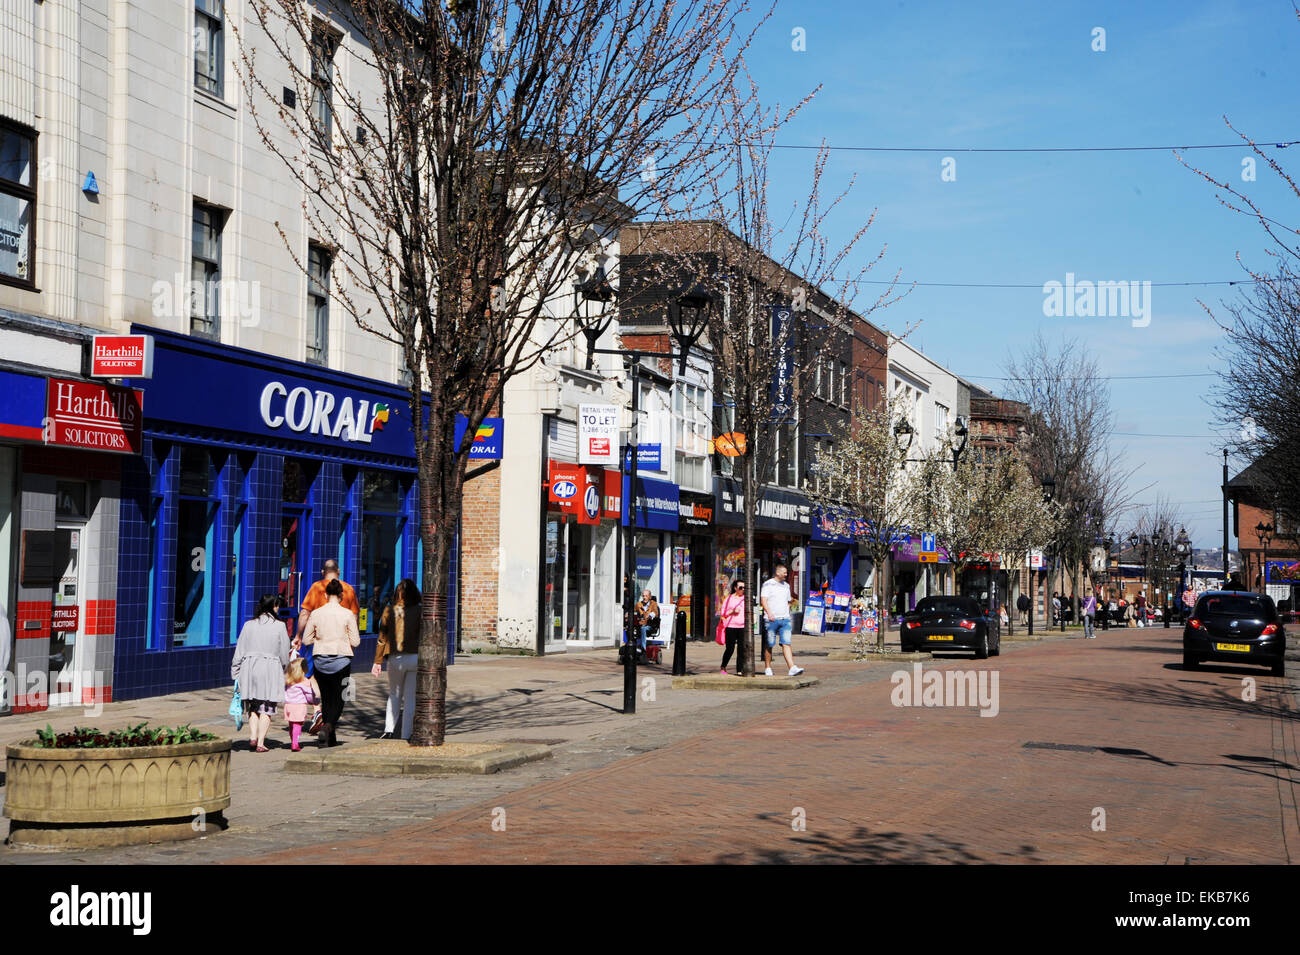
778 629
1087 625
645 633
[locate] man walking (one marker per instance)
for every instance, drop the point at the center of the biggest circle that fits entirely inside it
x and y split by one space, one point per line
1142 609
1022 604
316 597
777 625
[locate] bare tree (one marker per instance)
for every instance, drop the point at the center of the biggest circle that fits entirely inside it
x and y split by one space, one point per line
1067 442
458 174
867 494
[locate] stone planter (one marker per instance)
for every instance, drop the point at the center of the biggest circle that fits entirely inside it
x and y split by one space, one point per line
81 798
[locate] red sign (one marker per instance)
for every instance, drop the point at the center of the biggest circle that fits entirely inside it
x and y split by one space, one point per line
612 504
82 414
64 619
121 356
565 484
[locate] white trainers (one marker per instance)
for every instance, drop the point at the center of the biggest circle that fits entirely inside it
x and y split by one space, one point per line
795 671
767 672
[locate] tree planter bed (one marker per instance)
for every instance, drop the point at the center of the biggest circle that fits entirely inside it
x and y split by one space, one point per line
93 797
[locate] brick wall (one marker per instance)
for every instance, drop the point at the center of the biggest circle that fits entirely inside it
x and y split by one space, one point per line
481 535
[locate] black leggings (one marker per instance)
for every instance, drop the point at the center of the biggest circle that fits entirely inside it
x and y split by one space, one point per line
331 693
733 641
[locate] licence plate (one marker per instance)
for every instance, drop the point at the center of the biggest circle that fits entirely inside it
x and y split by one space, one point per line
1233 647
940 638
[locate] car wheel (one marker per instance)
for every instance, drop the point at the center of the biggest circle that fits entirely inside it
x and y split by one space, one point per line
1279 668
1189 661
982 653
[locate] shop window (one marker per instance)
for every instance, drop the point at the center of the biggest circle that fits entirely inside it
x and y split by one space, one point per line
17 205
295 529
382 529
196 523
205 271
70 500
208 47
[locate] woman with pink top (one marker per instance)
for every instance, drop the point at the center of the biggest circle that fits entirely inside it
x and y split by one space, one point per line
733 620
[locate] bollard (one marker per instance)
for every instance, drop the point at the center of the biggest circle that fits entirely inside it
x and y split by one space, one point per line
679 645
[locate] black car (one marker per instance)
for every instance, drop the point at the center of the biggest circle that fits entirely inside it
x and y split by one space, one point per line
1236 627
951 623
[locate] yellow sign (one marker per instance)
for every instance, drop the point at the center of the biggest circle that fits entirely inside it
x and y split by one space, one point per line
364 614
928 558
730 445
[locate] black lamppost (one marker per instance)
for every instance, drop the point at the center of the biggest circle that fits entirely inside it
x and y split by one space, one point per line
688 319
1049 489
1183 545
1104 610
903 435
1265 534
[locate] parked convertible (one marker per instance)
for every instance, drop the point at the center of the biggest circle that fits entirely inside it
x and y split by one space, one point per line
951 623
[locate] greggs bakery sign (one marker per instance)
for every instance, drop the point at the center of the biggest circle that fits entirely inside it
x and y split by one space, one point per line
196 384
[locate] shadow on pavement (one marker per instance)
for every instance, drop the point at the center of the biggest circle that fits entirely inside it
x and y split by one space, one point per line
865 846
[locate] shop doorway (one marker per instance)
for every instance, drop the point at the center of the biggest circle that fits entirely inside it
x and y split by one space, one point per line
67 664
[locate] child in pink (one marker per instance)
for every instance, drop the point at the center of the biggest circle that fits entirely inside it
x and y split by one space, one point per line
300 693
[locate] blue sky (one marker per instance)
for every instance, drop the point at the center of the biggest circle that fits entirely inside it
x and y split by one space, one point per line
1011 75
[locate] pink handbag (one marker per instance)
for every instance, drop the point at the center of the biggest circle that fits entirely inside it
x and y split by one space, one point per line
721 635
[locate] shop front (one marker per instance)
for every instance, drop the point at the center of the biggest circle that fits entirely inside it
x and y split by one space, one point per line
917 577
659 568
693 563
782 527
254 472
579 574
63 442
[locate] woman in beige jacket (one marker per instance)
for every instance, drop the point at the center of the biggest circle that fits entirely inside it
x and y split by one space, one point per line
332 632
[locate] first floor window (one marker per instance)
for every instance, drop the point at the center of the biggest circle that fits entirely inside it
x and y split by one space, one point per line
205 272
17 204
318 304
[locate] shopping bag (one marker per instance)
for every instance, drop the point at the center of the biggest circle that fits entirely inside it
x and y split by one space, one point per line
720 635
237 707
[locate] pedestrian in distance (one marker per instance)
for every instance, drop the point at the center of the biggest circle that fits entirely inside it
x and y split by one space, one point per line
1089 612
261 654
777 627
1022 604
332 633
1056 608
301 698
1130 614
399 643
1141 603
733 621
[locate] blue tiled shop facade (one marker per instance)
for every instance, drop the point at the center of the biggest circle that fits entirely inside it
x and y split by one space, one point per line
251 478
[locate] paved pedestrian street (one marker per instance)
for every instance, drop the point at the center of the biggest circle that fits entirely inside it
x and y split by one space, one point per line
1102 751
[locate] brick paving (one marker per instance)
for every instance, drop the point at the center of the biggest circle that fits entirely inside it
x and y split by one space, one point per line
1184 769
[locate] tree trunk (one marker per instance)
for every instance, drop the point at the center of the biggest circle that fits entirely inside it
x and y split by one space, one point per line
885 572
437 534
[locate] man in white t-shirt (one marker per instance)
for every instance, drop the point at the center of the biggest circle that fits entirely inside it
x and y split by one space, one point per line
777 625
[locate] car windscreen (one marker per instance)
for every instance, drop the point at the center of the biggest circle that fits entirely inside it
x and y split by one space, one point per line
961 605
1236 605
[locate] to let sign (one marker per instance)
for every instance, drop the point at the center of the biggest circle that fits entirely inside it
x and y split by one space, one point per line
83 414
121 356
598 434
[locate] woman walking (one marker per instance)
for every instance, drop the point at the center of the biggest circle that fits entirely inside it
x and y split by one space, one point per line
261 654
733 621
332 633
399 642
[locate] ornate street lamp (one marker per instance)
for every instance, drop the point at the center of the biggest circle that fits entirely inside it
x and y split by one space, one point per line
594 288
1265 534
688 317
961 431
1104 610
903 434
1183 545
